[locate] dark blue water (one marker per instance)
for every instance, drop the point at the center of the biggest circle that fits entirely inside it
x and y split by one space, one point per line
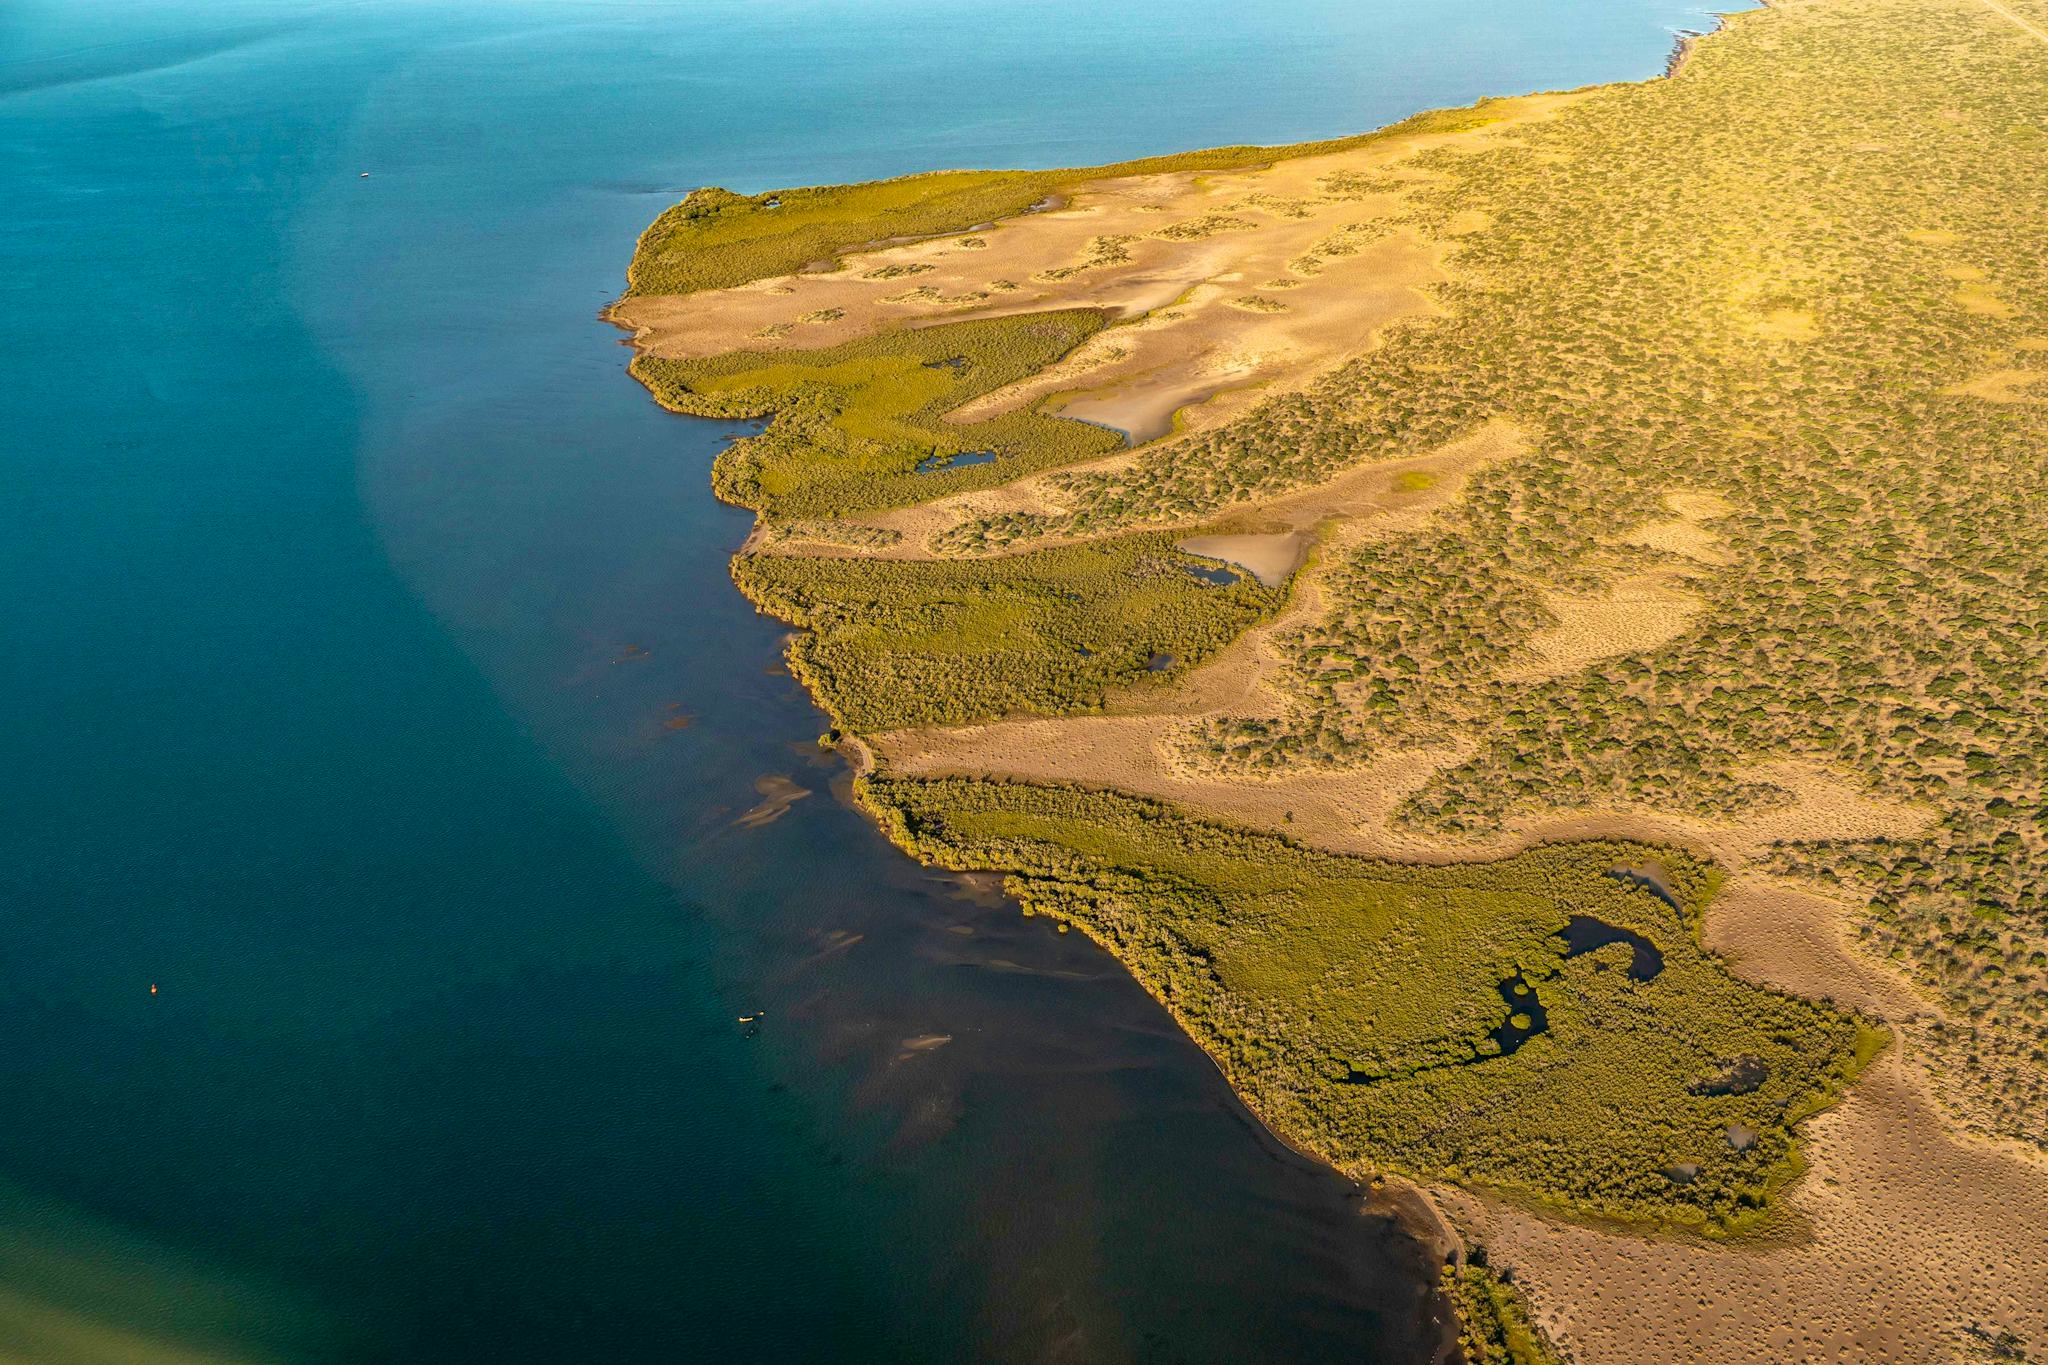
1585 934
932 464
374 922
1215 575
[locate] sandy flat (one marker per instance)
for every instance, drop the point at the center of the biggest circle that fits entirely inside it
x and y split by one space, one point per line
1630 616
1136 246
2004 386
1226 287
1269 557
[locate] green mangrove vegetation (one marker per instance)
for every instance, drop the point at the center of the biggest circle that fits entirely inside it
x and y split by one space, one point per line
895 643
1496 1024
1494 1316
852 424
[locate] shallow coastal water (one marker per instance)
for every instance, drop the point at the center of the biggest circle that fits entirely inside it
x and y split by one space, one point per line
403 810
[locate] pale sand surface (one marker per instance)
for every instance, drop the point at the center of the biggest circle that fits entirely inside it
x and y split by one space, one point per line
1229 287
1636 612
1785 324
1269 556
1910 1235
1298 233
1983 300
1206 357
1902 1232
1682 534
1631 615
1401 489
1350 810
1783 934
2005 386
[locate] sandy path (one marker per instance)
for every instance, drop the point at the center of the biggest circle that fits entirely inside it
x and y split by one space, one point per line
2038 33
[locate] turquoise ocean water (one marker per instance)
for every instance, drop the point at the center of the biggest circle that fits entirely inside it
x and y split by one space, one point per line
374 928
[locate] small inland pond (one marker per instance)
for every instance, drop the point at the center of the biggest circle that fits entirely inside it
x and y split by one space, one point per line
933 464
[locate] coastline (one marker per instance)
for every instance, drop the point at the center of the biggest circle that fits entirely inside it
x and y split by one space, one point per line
1895 1001
1418 1207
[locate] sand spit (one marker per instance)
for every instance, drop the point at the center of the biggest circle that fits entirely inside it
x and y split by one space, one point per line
1226 287
1279 259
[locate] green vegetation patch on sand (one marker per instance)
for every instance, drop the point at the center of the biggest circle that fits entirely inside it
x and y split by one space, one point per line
1360 1004
944 642
853 423
715 239
1497 1327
